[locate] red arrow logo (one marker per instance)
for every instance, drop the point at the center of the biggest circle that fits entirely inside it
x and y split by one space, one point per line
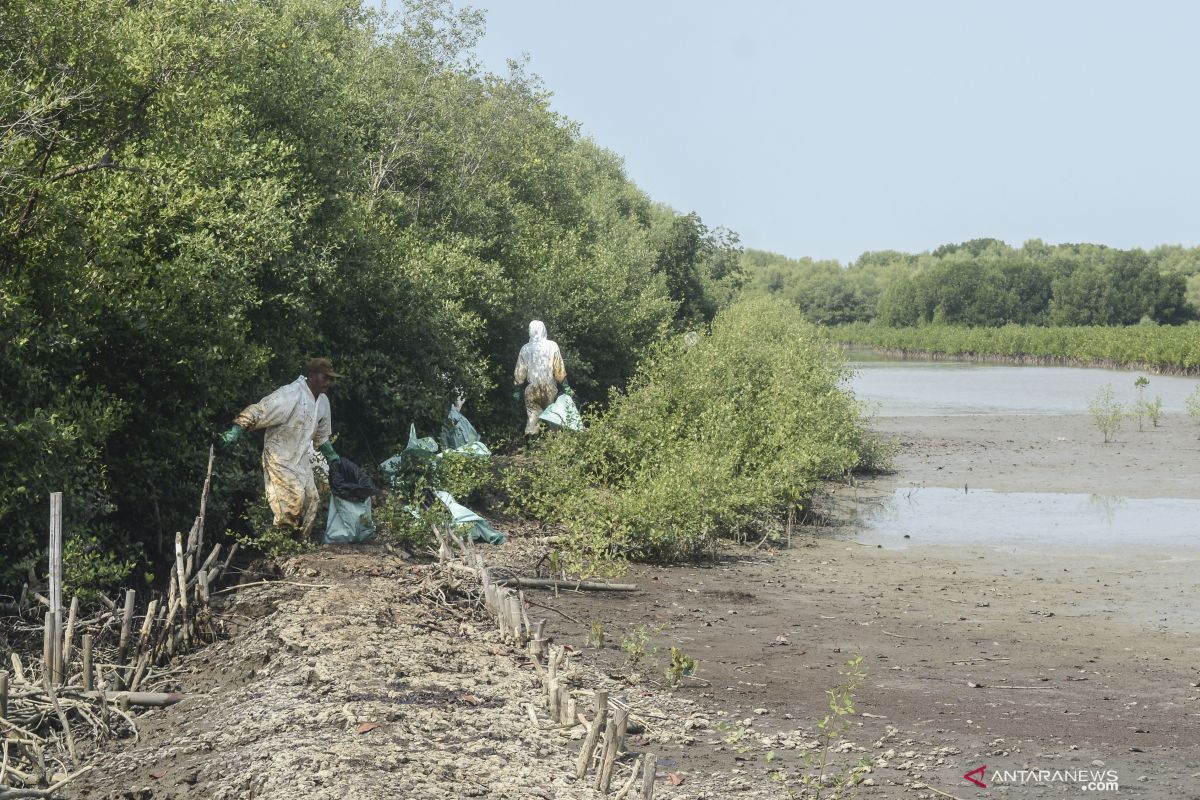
977 781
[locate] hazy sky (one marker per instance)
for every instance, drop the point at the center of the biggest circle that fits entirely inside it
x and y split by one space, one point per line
826 129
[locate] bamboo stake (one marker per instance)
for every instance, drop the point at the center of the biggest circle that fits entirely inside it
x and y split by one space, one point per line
139 671
537 644
228 559
571 713
189 551
182 586
18 672
69 638
593 736
147 625
204 497
126 629
207 566
62 719
56 548
649 769
87 662
637 767
614 734
524 615
48 644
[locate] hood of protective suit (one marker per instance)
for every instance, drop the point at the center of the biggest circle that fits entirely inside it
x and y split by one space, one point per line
537 331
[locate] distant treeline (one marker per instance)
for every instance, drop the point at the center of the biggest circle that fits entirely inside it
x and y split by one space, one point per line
987 283
197 196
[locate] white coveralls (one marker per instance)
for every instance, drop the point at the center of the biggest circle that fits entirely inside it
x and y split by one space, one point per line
295 423
540 363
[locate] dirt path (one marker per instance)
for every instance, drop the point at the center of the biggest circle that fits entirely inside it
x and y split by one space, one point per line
1071 662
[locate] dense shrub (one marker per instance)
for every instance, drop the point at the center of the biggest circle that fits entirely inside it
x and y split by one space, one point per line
717 433
196 197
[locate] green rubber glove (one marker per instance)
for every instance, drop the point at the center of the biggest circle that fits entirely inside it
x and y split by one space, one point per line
230 437
327 450
567 390
517 395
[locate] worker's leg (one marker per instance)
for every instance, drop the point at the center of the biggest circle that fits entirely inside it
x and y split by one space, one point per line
537 397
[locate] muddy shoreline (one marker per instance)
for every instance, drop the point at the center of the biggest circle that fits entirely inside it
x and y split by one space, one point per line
1014 662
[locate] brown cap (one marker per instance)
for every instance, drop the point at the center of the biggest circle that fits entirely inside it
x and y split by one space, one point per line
321 366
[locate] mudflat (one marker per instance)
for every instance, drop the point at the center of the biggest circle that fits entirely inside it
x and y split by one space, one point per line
1076 663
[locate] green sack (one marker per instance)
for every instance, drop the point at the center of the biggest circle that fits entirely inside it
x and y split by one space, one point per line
563 413
477 449
348 522
462 517
457 430
415 459
418 449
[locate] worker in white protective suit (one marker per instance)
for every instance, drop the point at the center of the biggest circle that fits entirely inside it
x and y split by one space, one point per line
296 419
541 365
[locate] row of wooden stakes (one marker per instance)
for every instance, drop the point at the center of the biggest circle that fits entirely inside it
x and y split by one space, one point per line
605 737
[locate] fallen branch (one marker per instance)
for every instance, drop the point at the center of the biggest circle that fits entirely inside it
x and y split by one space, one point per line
576 586
273 583
12 794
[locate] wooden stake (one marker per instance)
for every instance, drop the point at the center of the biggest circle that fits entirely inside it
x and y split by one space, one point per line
649 770
593 736
87 662
3 694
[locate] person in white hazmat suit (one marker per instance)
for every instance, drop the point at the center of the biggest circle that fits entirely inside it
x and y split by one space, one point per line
296 418
540 363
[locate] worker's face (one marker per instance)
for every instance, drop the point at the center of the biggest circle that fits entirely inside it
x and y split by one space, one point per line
319 383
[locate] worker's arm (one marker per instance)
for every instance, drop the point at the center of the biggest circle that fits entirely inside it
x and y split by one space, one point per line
558 367
272 410
521 372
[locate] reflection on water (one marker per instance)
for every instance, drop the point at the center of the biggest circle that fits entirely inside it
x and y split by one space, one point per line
934 388
1105 506
1031 522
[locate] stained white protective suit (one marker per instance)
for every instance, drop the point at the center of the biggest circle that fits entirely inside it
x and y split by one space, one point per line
295 423
541 364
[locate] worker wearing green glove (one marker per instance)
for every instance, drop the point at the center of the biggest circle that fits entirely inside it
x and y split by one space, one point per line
296 419
229 438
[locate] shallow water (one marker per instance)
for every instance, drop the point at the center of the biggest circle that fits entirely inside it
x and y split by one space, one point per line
1031 523
904 388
